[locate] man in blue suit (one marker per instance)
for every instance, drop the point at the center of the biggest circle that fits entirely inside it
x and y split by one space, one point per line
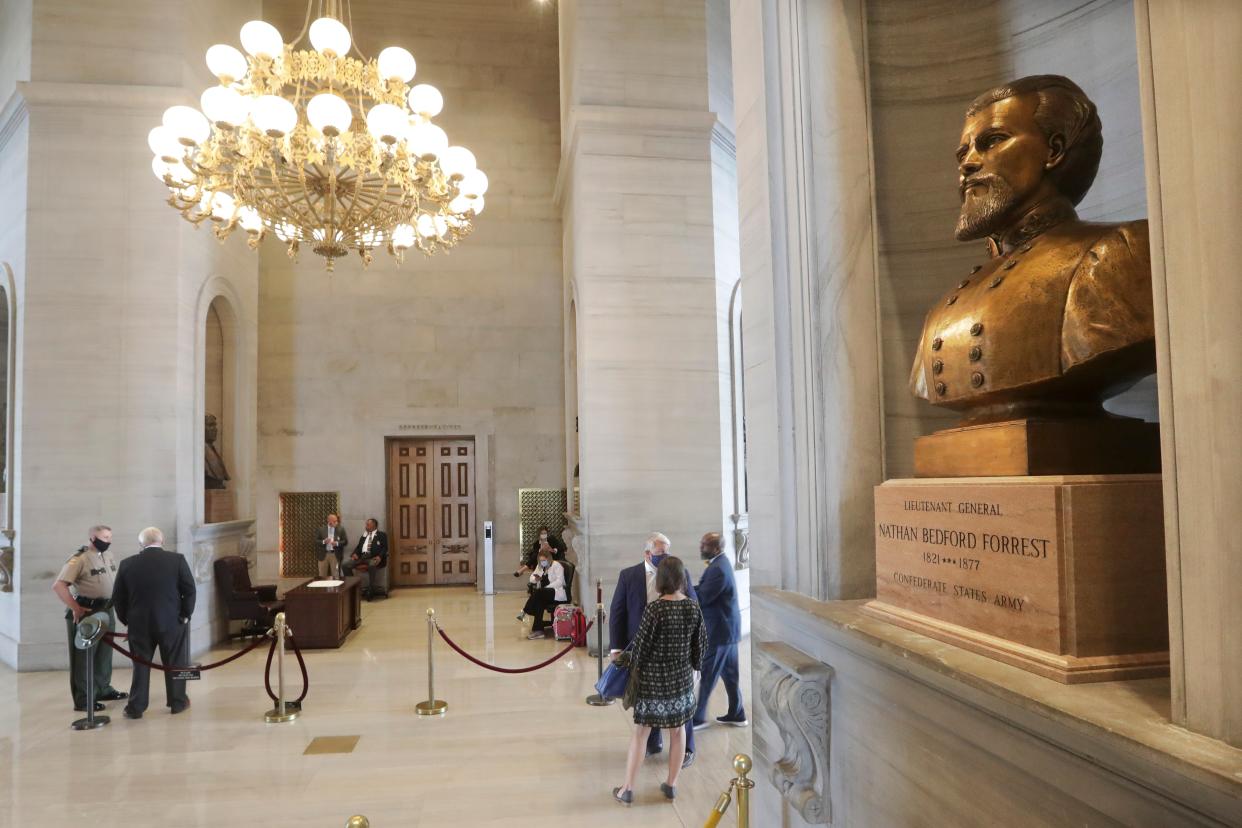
718 599
635 588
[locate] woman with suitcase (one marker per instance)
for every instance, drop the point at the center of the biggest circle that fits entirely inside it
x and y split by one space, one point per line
663 658
548 581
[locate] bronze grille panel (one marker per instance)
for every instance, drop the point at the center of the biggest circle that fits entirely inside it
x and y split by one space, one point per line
301 514
539 507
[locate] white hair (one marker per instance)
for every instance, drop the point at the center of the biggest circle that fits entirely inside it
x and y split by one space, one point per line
150 537
657 537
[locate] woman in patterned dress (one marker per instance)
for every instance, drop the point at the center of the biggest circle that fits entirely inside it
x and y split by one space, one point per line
666 652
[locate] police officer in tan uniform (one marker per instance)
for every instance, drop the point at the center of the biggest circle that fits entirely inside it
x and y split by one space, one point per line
85 586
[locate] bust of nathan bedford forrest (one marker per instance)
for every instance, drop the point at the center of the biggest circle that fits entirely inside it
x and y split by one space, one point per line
1060 317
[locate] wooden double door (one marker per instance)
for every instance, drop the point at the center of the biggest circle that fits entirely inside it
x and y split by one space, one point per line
431 512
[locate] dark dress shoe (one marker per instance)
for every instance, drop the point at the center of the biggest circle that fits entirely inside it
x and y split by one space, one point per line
668 790
112 695
130 714
688 761
98 707
626 798
181 708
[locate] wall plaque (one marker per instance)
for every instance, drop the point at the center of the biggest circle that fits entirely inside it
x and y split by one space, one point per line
1063 576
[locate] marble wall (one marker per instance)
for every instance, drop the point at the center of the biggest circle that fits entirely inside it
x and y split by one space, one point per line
14 143
110 352
16 18
466 343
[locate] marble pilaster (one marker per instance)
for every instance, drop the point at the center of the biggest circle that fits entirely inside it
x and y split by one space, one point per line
1192 77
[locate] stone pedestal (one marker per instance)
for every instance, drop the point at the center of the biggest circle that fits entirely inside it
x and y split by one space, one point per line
1061 576
218 506
1040 447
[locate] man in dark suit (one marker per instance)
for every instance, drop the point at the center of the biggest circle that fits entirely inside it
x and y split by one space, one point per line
154 595
635 588
371 552
718 600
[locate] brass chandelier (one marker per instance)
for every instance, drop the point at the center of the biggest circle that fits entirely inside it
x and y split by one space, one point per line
319 148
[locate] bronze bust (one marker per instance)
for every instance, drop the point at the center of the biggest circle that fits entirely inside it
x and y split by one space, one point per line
1060 317
214 473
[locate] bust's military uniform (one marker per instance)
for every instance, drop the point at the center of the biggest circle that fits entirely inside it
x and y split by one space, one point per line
1065 315
90 574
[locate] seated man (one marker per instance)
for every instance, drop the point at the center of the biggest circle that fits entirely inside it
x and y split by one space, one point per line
370 555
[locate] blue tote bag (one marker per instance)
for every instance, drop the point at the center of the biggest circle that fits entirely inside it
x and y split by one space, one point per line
612 683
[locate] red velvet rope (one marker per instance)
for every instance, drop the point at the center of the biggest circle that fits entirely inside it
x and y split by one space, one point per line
169 669
509 670
267 671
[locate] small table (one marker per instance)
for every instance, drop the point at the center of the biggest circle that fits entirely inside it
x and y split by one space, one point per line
322 617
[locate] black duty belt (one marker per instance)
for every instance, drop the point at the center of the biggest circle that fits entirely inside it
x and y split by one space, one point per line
94 603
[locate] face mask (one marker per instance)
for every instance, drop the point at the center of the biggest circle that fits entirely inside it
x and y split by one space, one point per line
101 545
656 560
543 537
545 564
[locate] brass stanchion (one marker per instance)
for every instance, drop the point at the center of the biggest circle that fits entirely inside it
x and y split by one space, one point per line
433 706
742 764
358 821
282 712
742 784
595 699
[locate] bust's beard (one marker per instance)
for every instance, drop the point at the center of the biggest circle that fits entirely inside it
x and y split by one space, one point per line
986 216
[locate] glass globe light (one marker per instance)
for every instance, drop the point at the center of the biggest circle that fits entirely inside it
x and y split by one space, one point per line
473 185
441 225
274 115
461 204
262 39
456 162
329 114
226 63
386 122
427 141
178 172
249 219
395 62
329 35
426 226
402 236
222 206
476 204
426 100
224 105
187 124
164 144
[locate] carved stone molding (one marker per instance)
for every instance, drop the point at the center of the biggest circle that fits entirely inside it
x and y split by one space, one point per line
795 690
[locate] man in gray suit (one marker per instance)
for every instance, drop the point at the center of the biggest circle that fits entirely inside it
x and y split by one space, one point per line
332 543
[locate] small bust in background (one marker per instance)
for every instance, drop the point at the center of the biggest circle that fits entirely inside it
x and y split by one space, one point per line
214 472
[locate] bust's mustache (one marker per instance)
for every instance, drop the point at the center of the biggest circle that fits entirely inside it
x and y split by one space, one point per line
983 179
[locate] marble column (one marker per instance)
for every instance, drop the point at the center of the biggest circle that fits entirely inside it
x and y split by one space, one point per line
809 288
636 192
1191 74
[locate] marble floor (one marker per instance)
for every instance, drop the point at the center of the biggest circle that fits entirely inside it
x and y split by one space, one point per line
514 750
